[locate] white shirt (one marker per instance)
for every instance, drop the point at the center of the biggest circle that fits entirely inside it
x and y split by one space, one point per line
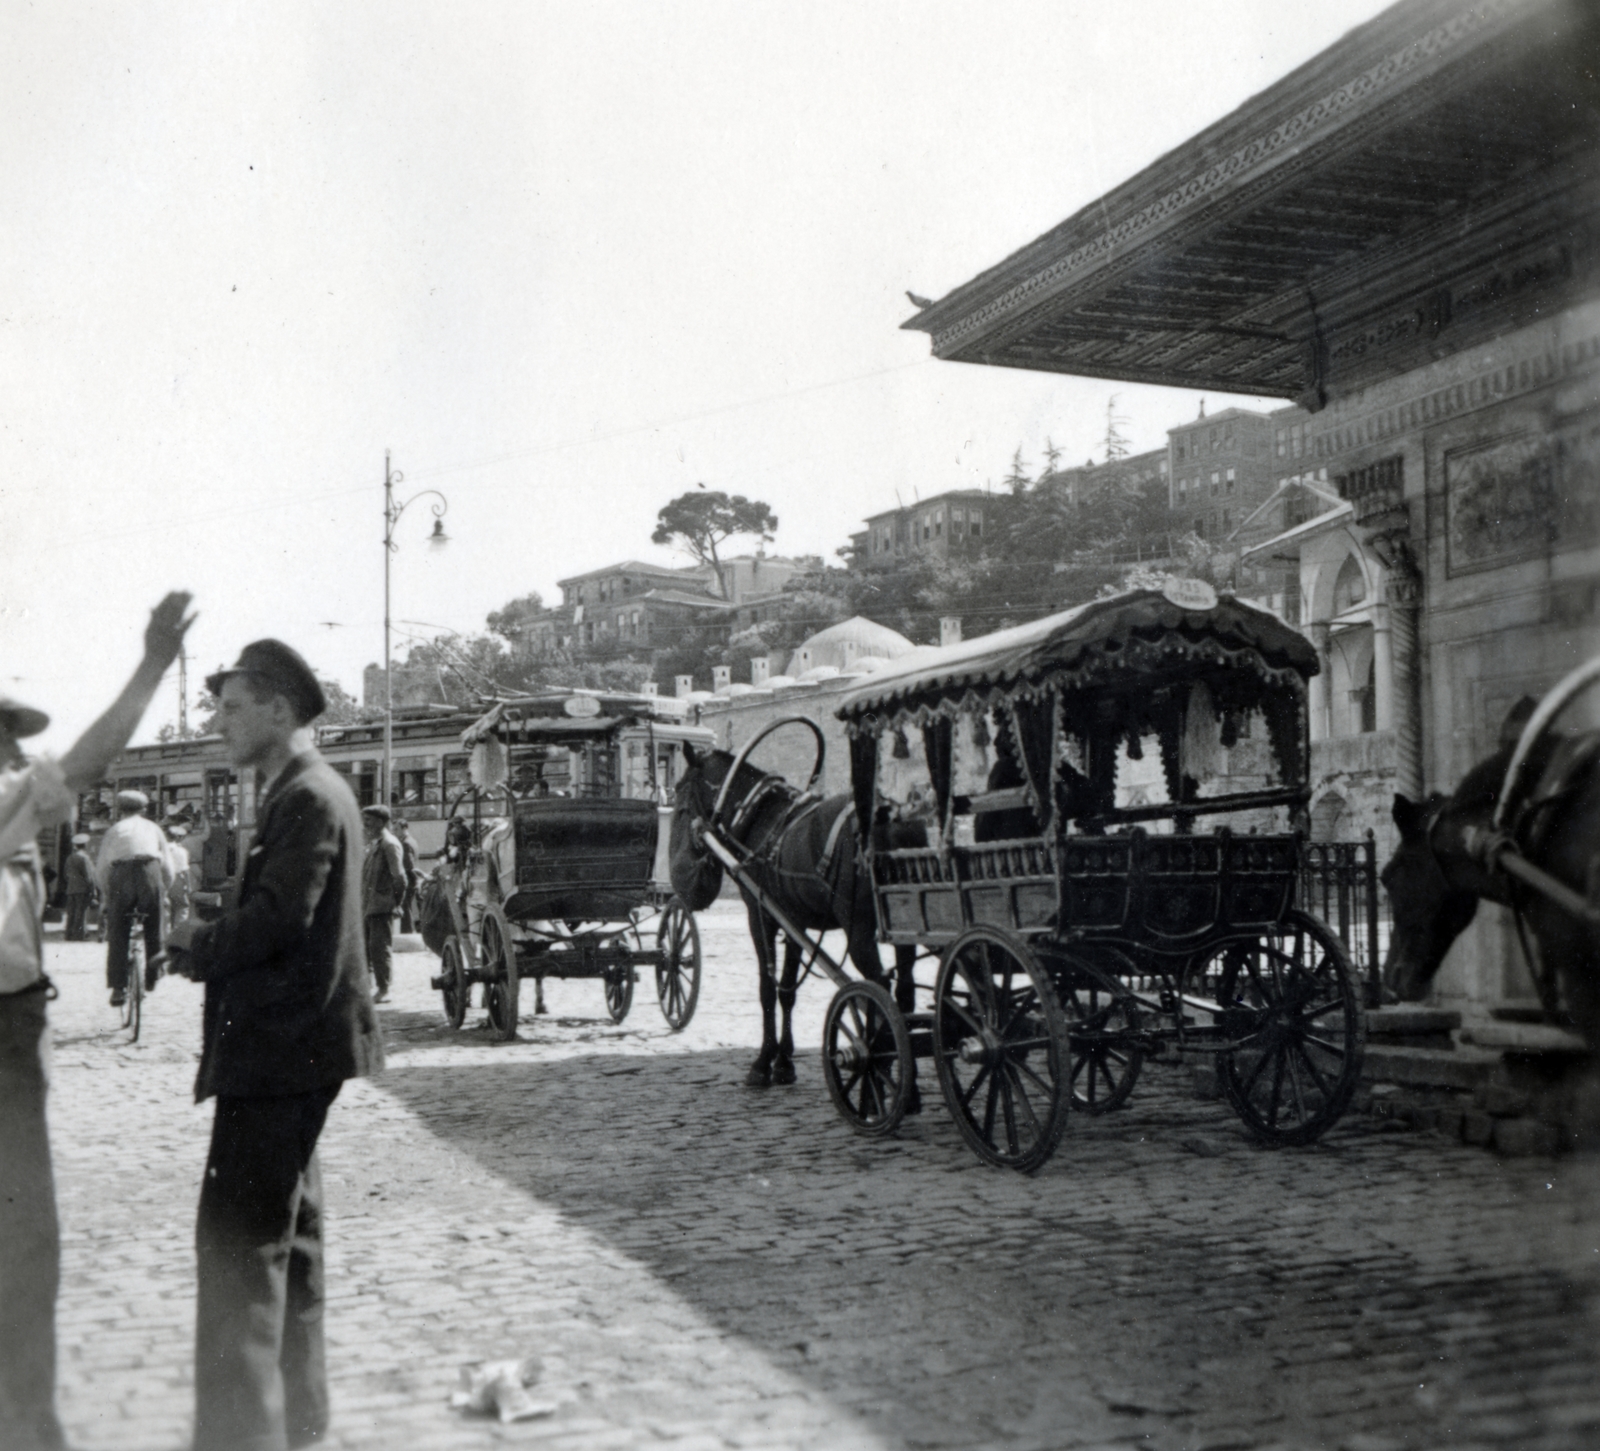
30 799
177 859
130 837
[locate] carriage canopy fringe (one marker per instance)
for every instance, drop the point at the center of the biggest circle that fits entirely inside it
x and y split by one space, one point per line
1135 639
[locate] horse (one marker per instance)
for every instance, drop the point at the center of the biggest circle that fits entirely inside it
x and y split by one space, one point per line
803 855
1438 873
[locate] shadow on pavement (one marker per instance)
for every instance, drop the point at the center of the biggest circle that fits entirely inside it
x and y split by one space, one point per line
1160 1281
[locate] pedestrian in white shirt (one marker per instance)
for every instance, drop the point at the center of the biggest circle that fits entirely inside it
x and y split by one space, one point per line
34 795
178 867
134 873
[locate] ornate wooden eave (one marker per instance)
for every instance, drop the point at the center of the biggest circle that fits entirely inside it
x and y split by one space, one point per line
1426 183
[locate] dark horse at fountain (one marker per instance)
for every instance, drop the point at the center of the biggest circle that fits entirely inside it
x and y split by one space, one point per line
1450 857
801 852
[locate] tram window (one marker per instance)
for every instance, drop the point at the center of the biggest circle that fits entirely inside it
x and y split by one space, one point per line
416 787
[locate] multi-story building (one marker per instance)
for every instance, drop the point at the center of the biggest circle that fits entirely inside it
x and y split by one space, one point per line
1221 469
950 523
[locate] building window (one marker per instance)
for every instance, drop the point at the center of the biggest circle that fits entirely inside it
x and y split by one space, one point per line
1200 527
1180 450
1215 478
958 516
1283 443
975 524
1183 488
1227 520
1230 481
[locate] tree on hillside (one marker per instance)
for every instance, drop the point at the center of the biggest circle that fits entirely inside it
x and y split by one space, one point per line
508 620
704 518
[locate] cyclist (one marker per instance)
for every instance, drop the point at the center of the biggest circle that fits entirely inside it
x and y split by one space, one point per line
134 873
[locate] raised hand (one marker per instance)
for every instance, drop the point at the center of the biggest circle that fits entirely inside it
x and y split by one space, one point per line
163 636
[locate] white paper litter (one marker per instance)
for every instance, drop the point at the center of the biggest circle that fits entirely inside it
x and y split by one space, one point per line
499 1387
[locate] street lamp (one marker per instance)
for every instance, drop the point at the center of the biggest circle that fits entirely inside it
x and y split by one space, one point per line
391 517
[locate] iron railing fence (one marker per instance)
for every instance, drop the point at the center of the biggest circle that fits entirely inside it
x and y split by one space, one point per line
1339 882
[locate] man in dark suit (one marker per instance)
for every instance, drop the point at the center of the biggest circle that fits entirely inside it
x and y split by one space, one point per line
287 1019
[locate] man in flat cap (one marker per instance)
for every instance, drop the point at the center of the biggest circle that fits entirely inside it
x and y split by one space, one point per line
34 795
134 875
383 887
78 871
288 1018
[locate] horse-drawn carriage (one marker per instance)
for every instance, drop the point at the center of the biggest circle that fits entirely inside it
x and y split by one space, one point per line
555 858
1027 808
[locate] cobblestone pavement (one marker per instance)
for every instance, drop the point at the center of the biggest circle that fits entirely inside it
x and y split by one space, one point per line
702 1265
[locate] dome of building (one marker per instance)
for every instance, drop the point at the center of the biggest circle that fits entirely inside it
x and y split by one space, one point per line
821 672
845 645
868 664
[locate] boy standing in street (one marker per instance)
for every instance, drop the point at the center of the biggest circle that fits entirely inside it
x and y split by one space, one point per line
287 1019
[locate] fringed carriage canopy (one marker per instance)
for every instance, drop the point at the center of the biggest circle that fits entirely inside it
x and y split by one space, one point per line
1113 670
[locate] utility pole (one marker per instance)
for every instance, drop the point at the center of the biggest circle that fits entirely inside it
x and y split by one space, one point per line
183 693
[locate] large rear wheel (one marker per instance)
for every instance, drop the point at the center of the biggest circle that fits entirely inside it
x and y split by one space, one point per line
866 1058
677 965
1291 1009
501 981
1000 1045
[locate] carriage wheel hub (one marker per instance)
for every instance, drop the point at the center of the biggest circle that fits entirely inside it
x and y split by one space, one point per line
982 1048
852 1057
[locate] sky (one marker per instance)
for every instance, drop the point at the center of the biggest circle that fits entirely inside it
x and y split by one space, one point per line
561 261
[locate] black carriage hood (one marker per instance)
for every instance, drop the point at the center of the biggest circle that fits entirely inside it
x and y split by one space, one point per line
1088 644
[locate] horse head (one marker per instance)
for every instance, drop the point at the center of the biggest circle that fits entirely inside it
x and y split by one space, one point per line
1432 904
1433 879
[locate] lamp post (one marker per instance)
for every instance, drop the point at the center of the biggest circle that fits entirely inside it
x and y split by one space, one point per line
391 517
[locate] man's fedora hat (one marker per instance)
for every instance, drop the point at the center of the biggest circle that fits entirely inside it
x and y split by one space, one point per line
282 670
378 810
20 720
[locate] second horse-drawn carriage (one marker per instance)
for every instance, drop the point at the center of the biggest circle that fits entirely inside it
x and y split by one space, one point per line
1027 810
555 858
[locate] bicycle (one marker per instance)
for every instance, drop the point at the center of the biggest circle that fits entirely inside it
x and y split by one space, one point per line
141 976
133 992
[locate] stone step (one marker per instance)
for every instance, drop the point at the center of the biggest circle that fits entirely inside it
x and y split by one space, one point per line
1409 1026
1466 1067
1523 1038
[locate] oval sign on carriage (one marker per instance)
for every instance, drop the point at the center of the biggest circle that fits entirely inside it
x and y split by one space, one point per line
1190 594
584 707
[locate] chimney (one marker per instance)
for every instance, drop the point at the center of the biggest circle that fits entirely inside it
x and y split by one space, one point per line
682 685
950 630
760 669
721 678
648 688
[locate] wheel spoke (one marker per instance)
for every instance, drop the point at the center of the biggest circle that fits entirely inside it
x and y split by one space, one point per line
1277 1090
1322 1043
972 1088
1022 1098
1312 1069
1009 1114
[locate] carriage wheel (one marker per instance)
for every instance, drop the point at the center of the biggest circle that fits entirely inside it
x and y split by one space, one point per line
1291 999
866 1058
678 965
1000 1045
500 968
454 989
619 991
1103 1025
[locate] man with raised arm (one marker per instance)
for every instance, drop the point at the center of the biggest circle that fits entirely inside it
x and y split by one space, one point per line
33 795
288 1017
